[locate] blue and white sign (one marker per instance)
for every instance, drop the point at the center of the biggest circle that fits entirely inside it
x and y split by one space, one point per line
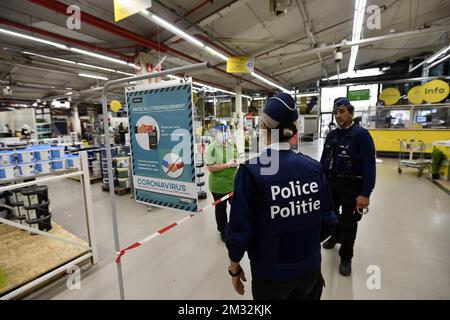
162 145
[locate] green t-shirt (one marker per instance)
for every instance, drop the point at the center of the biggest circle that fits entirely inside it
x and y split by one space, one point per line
221 181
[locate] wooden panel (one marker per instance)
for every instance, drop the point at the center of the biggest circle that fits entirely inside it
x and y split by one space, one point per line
24 257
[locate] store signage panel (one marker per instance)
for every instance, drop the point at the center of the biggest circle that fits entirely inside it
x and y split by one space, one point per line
358 95
435 91
240 64
126 8
415 95
162 146
390 96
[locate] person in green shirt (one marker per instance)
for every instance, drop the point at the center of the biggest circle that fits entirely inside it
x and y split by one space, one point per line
221 161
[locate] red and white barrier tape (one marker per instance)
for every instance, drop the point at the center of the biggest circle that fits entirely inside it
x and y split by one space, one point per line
165 229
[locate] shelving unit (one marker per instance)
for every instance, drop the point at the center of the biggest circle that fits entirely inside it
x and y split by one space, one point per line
94 162
24 273
121 173
43 123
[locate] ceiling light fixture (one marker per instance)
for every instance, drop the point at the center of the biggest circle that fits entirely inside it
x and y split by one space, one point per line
208 87
64 47
358 19
47 57
437 62
99 56
431 58
270 83
78 63
24 36
86 75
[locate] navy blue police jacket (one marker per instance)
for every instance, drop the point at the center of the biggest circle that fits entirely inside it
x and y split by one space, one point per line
280 216
351 152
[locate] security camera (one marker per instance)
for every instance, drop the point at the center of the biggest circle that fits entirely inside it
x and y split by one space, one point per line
338 56
7 91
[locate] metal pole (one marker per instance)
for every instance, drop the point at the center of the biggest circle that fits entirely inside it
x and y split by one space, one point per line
89 211
109 84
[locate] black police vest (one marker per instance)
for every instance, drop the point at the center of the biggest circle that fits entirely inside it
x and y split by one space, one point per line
342 154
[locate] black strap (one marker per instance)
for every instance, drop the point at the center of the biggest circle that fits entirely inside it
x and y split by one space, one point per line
235 274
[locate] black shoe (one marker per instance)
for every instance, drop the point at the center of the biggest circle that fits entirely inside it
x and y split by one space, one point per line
223 237
329 244
345 267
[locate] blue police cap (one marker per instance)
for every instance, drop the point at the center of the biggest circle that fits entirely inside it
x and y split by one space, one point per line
281 108
340 102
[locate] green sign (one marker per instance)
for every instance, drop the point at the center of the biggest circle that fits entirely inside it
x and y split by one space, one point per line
357 95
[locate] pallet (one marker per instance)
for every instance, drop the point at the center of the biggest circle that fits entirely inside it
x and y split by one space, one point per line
25 257
118 191
92 180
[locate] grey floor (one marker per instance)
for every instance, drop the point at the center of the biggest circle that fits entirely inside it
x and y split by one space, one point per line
403 241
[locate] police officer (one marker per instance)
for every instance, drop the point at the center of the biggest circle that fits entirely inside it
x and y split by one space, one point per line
280 212
348 160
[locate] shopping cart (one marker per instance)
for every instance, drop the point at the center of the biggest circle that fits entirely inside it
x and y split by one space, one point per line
406 156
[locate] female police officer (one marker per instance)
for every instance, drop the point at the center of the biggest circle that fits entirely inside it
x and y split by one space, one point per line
281 211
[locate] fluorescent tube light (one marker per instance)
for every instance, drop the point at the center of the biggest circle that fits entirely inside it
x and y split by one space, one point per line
23 36
86 75
216 53
272 84
437 62
437 54
175 30
47 57
358 19
96 55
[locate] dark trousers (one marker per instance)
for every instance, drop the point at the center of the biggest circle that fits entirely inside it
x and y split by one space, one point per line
221 211
344 193
305 288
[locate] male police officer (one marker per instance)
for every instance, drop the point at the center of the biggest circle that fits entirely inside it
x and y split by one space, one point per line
348 160
280 217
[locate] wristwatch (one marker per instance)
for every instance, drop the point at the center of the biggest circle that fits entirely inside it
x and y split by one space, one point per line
235 274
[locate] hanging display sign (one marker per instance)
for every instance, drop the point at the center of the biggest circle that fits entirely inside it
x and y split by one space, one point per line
435 91
390 96
242 64
115 106
358 95
162 145
415 95
145 63
126 8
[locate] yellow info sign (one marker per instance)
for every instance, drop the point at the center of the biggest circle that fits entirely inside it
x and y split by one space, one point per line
126 8
240 64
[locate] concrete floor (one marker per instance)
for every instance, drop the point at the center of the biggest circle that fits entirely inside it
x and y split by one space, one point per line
405 237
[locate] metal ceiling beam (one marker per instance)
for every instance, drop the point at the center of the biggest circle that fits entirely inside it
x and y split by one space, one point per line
392 36
306 17
183 17
124 33
191 24
257 55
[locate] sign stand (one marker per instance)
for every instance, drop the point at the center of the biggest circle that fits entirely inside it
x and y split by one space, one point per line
109 84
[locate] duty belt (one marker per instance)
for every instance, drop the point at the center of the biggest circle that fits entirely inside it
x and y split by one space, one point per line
344 176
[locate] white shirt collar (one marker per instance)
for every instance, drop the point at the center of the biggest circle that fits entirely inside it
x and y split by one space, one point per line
348 125
279 146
